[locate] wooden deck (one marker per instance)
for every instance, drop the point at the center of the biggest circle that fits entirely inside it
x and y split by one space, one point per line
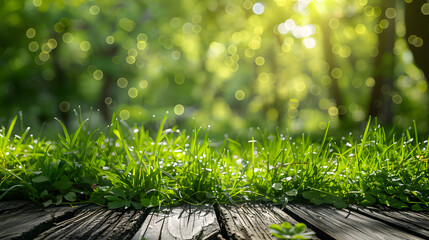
24 220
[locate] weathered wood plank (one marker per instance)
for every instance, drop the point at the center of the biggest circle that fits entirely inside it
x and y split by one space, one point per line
251 221
97 222
346 224
414 222
9 205
185 222
30 220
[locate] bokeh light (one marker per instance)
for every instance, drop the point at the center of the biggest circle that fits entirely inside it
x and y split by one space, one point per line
30 33
240 95
67 37
179 109
98 74
64 106
85 46
110 39
143 84
122 82
133 92
258 8
33 46
94 10
425 9
124 114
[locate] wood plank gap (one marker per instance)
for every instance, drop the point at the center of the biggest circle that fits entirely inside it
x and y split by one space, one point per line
185 222
319 232
404 220
223 232
342 224
251 221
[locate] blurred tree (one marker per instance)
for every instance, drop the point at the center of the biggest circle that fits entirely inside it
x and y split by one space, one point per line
417 25
239 63
380 104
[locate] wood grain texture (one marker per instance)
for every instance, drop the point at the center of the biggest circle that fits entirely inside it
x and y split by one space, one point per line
251 221
414 222
346 224
30 220
185 222
97 223
9 205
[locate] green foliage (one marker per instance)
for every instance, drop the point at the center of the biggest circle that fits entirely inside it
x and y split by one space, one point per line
123 166
286 231
217 61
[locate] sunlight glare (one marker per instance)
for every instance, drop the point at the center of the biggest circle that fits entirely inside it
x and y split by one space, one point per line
309 42
258 8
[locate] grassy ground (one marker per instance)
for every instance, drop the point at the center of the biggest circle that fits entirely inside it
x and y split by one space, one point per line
123 166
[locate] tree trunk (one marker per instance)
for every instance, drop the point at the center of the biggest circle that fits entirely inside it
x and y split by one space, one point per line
380 104
335 92
417 25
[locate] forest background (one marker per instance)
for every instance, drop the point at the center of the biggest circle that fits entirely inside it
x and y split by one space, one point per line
287 64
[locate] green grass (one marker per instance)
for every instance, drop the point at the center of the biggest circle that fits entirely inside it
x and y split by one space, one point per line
122 166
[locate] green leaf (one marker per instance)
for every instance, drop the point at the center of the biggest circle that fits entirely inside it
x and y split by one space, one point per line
310 195
278 236
40 179
277 228
416 207
70 196
155 201
97 198
59 199
66 133
299 236
63 184
339 203
11 126
118 135
113 198
44 194
277 186
136 205
286 225
395 203
118 192
369 199
145 202
159 135
47 203
76 134
116 204
300 227
292 192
